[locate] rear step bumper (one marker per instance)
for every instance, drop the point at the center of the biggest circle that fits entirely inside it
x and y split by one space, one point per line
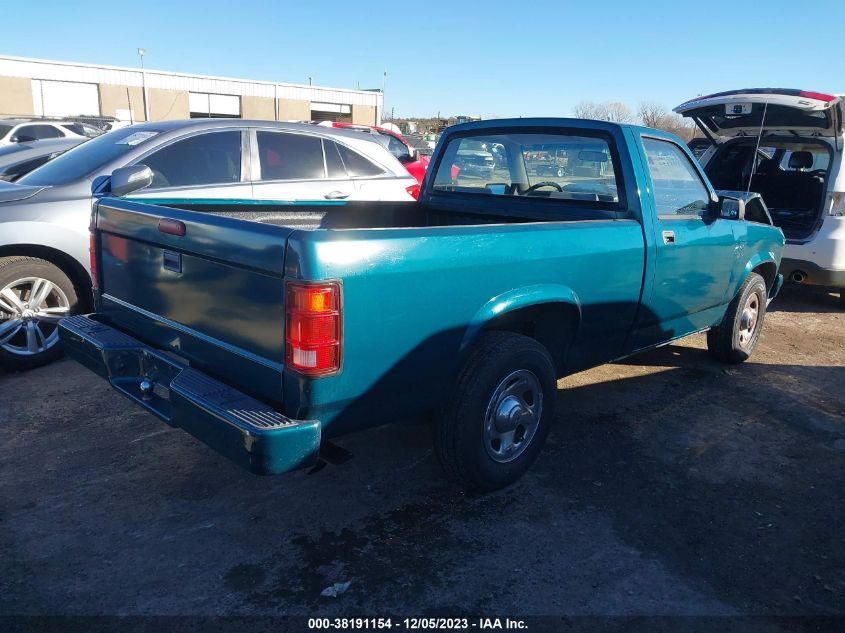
243 429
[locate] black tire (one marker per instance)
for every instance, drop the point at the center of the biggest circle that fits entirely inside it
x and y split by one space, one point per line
460 433
13 269
731 341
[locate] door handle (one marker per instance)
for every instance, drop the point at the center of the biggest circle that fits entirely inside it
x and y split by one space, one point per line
336 195
668 237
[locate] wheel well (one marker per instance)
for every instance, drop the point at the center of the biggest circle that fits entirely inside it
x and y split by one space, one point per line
553 325
768 271
76 273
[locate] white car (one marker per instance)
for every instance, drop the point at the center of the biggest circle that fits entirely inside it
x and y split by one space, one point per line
786 145
28 131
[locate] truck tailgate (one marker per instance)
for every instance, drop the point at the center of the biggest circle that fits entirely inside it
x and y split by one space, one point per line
206 288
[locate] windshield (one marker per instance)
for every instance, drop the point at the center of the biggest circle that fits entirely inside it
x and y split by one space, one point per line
87 157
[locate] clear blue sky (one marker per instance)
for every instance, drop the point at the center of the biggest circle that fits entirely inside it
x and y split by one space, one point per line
492 58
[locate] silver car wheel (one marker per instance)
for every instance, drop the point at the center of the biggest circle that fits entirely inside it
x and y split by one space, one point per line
30 309
748 320
513 415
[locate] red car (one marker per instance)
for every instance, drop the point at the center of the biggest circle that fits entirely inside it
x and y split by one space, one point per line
414 162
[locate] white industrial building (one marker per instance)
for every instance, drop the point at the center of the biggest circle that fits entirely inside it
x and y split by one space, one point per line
37 87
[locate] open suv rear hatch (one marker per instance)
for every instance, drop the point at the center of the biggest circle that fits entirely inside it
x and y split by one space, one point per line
776 142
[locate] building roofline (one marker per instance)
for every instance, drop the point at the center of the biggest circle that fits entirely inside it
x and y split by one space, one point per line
171 73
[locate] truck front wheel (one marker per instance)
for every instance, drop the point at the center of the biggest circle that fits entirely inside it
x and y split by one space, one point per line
733 340
498 417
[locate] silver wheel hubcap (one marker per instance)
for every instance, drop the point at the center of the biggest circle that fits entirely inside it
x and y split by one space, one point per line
30 309
748 320
513 415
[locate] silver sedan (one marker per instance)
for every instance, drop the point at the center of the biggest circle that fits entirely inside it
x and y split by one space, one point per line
44 266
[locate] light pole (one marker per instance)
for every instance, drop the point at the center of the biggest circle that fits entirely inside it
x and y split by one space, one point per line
383 88
141 53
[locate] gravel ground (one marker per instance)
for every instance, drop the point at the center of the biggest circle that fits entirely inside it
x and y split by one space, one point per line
671 485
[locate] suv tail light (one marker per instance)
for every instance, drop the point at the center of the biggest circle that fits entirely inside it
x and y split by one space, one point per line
313 328
92 259
837 203
414 191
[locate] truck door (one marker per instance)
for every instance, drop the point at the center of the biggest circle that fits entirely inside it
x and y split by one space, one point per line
695 251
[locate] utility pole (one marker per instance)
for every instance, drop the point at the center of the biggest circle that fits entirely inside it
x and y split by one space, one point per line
141 53
383 88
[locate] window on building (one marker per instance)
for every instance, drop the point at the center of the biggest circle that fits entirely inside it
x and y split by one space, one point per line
205 159
204 105
341 112
286 156
65 98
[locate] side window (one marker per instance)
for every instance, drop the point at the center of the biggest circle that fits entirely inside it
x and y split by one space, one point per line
37 132
286 156
395 146
678 189
204 159
805 160
357 165
334 165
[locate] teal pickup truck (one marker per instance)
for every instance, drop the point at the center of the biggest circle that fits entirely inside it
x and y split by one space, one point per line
264 330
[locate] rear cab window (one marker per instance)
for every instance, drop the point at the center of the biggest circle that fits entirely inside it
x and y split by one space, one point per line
553 169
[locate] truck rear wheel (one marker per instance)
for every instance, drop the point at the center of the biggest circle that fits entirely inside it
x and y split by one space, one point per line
34 295
733 340
498 417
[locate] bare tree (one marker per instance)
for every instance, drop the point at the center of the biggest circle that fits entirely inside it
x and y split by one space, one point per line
652 114
586 110
604 111
655 115
617 112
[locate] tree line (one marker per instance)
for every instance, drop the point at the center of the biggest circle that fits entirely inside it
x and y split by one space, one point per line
649 114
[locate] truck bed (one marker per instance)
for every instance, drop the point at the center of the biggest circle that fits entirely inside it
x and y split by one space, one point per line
214 296
376 215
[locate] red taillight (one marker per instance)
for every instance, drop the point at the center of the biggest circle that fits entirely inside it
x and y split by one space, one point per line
92 258
414 190
313 328
817 95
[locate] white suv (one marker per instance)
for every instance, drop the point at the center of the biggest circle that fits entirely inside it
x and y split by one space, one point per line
786 145
26 131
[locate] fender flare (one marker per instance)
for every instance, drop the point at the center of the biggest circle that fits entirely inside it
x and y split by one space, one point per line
758 259
516 299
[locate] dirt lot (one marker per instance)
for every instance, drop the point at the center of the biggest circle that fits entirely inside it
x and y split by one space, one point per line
671 485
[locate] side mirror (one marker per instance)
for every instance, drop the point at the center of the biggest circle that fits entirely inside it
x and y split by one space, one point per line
731 208
125 180
22 138
406 158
